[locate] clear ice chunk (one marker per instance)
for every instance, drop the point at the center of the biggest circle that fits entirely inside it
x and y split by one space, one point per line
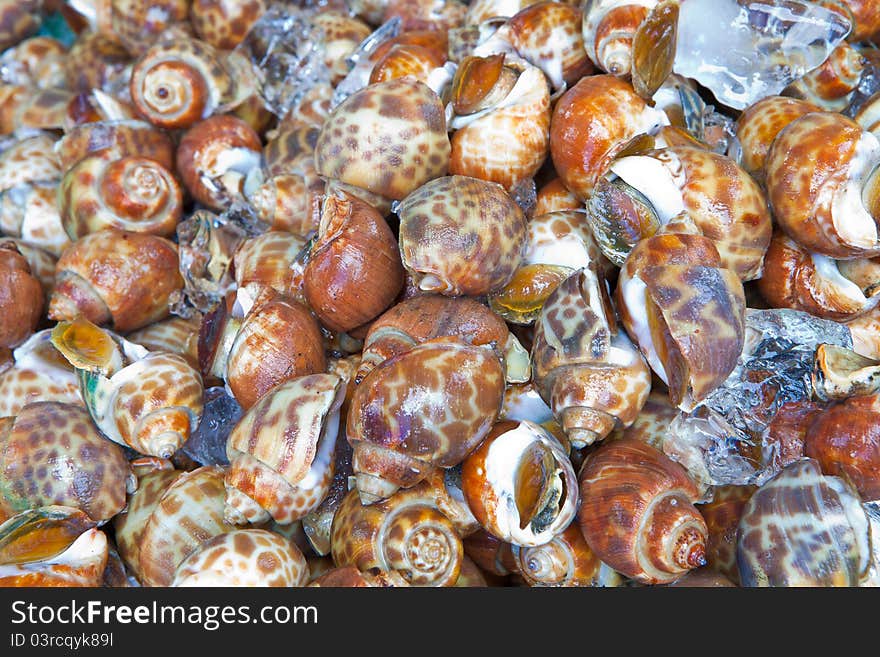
774 369
359 62
745 51
287 53
207 444
206 245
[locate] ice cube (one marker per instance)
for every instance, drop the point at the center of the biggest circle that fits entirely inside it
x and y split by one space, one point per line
725 438
286 51
745 51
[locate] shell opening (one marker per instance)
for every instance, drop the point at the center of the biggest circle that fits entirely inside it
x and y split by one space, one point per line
854 206
635 295
827 268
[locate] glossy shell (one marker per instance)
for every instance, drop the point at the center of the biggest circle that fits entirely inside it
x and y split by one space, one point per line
388 138
281 452
461 235
404 533
353 271
132 193
52 454
591 124
637 512
588 372
803 529
424 408
520 484
115 277
829 205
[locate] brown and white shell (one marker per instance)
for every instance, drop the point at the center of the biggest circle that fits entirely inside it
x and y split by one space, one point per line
425 408
388 138
461 236
505 141
281 452
115 277
51 453
803 529
244 557
520 484
404 533
637 512
684 310
591 123
823 186
588 372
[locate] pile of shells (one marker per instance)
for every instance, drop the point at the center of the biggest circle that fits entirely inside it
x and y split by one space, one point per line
415 297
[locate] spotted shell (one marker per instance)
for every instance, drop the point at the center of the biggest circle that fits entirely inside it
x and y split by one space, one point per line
637 512
176 335
244 557
388 138
427 407
30 212
588 372
803 529
18 20
137 26
188 513
131 193
32 107
39 373
290 201
116 277
549 35
591 124
29 160
342 34
36 62
829 205
404 533
281 452
407 59
51 453
520 484
52 546
224 23
461 235
684 310
129 524
760 122
214 158
351 577
554 197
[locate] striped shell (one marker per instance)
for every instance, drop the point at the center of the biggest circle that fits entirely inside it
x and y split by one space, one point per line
388 138
281 452
132 193
405 533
